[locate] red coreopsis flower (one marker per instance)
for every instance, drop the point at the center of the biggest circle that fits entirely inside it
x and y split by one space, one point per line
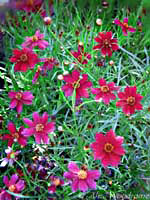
55 182
15 136
20 98
49 63
107 44
129 100
15 184
105 91
39 127
81 56
108 148
76 82
28 5
124 25
25 59
81 179
36 40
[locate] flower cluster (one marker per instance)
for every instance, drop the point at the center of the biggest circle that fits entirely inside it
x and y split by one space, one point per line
108 148
130 100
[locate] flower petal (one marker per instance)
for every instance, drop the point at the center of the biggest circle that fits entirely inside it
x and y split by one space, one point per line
20 185
83 185
74 185
11 127
13 103
6 181
72 166
28 122
13 179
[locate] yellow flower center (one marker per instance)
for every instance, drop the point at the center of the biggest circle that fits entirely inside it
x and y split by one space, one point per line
16 135
34 38
105 88
106 43
126 25
131 100
12 188
56 181
76 84
82 174
11 155
79 58
23 58
18 96
39 127
108 147
30 2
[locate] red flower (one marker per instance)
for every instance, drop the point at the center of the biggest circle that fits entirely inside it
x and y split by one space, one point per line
81 56
20 98
107 44
29 5
39 127
124 25
75 82
129 100
25 59
108 148
49 63
15 136
81 179
35 40
105 91
15 184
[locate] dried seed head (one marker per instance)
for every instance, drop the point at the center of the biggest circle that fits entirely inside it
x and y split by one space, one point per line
88 27
105 4
77 33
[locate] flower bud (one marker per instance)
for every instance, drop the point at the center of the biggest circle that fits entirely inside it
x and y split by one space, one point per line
111 62
99 22
47 20
65 73
66 63
60 77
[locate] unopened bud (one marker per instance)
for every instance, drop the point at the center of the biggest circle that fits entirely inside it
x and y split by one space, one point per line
47 20
111 62
80 43
60 128
65 73
66 62
99 22
60 77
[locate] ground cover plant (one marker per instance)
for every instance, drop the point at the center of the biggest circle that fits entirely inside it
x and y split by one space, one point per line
74 99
